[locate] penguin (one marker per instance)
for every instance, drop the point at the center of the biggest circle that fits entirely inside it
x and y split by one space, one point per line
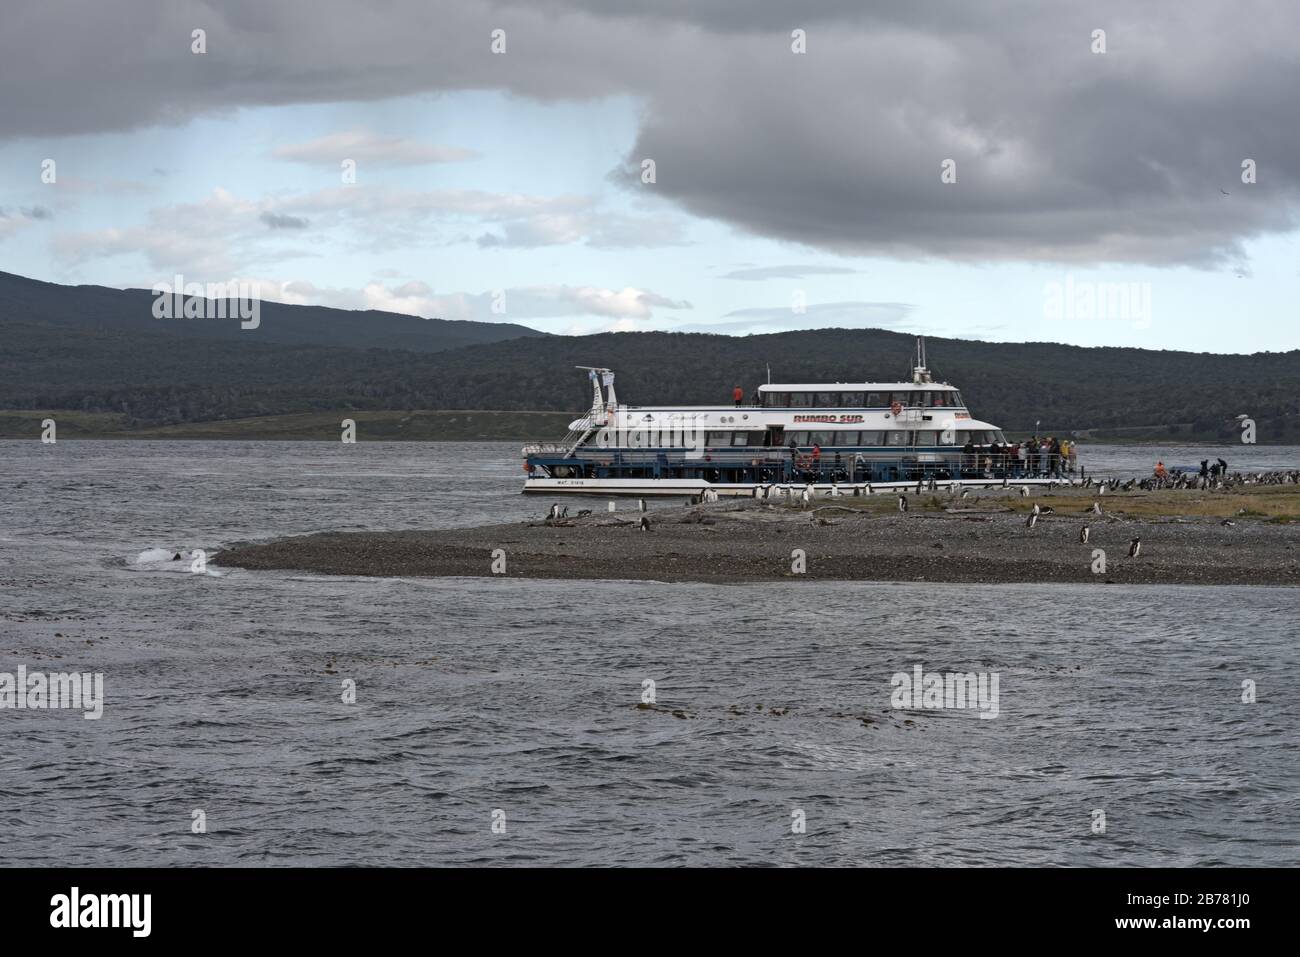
1096 508
1134 548
1047 510
965 493
902 503
1024 491
584 512
1083 535
1037 510
1227 523
564 512
641 504
644 524
553 514
1032 520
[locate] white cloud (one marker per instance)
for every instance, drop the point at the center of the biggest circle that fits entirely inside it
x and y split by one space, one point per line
374 149
628 305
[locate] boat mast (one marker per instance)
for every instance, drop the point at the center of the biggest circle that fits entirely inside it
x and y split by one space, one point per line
920 374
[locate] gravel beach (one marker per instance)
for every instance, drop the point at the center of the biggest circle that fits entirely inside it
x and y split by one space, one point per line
941 538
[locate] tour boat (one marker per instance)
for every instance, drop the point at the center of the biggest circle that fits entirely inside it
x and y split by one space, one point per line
845 438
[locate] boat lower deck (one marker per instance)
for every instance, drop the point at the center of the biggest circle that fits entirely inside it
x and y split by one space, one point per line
687 487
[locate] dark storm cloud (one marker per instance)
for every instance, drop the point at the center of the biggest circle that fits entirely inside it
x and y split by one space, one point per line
1061 154
283 221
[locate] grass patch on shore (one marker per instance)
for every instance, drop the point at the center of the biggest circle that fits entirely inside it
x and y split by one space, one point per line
1277 504
448 425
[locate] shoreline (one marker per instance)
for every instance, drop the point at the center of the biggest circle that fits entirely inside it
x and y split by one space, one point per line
940 539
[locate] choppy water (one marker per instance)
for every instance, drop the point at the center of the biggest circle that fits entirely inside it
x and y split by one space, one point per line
484 694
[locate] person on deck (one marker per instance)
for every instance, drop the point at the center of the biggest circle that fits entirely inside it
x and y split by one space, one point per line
739 395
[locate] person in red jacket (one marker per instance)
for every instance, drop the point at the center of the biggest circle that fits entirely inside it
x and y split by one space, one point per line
738 394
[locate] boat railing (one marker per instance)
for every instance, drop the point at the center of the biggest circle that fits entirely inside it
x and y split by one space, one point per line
903 461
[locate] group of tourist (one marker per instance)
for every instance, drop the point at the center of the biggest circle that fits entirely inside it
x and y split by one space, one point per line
1045 457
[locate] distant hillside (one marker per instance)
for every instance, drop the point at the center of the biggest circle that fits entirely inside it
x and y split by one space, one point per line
151 378
91 309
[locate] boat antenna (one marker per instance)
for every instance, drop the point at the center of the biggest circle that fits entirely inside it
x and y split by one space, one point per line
920 373
769 373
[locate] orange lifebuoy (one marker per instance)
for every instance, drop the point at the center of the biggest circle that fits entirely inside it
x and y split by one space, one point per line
896 407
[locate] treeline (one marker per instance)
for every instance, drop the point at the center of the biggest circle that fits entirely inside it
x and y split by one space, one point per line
162 379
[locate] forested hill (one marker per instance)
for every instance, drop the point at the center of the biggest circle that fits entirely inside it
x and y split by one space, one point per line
1011 384
149 374
91 309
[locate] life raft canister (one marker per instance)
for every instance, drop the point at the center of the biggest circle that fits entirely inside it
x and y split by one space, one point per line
896 408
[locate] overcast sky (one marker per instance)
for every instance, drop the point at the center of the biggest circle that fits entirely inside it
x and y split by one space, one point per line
791 189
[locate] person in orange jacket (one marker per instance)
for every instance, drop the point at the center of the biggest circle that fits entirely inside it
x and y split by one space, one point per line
1161 471
738 394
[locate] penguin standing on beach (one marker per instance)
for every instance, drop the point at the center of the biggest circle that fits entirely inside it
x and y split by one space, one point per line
902 504
641 504
553 514
1083 535
1024 491
1135 548
643 525
1096 508
1032 520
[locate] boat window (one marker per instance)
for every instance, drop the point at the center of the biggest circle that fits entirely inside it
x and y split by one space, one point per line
819 438
927 437
877 400
828 400
871 438
739 438
939 400
716 439
897 437
796 438
800 400
776 400
851 400
905 398
956 401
